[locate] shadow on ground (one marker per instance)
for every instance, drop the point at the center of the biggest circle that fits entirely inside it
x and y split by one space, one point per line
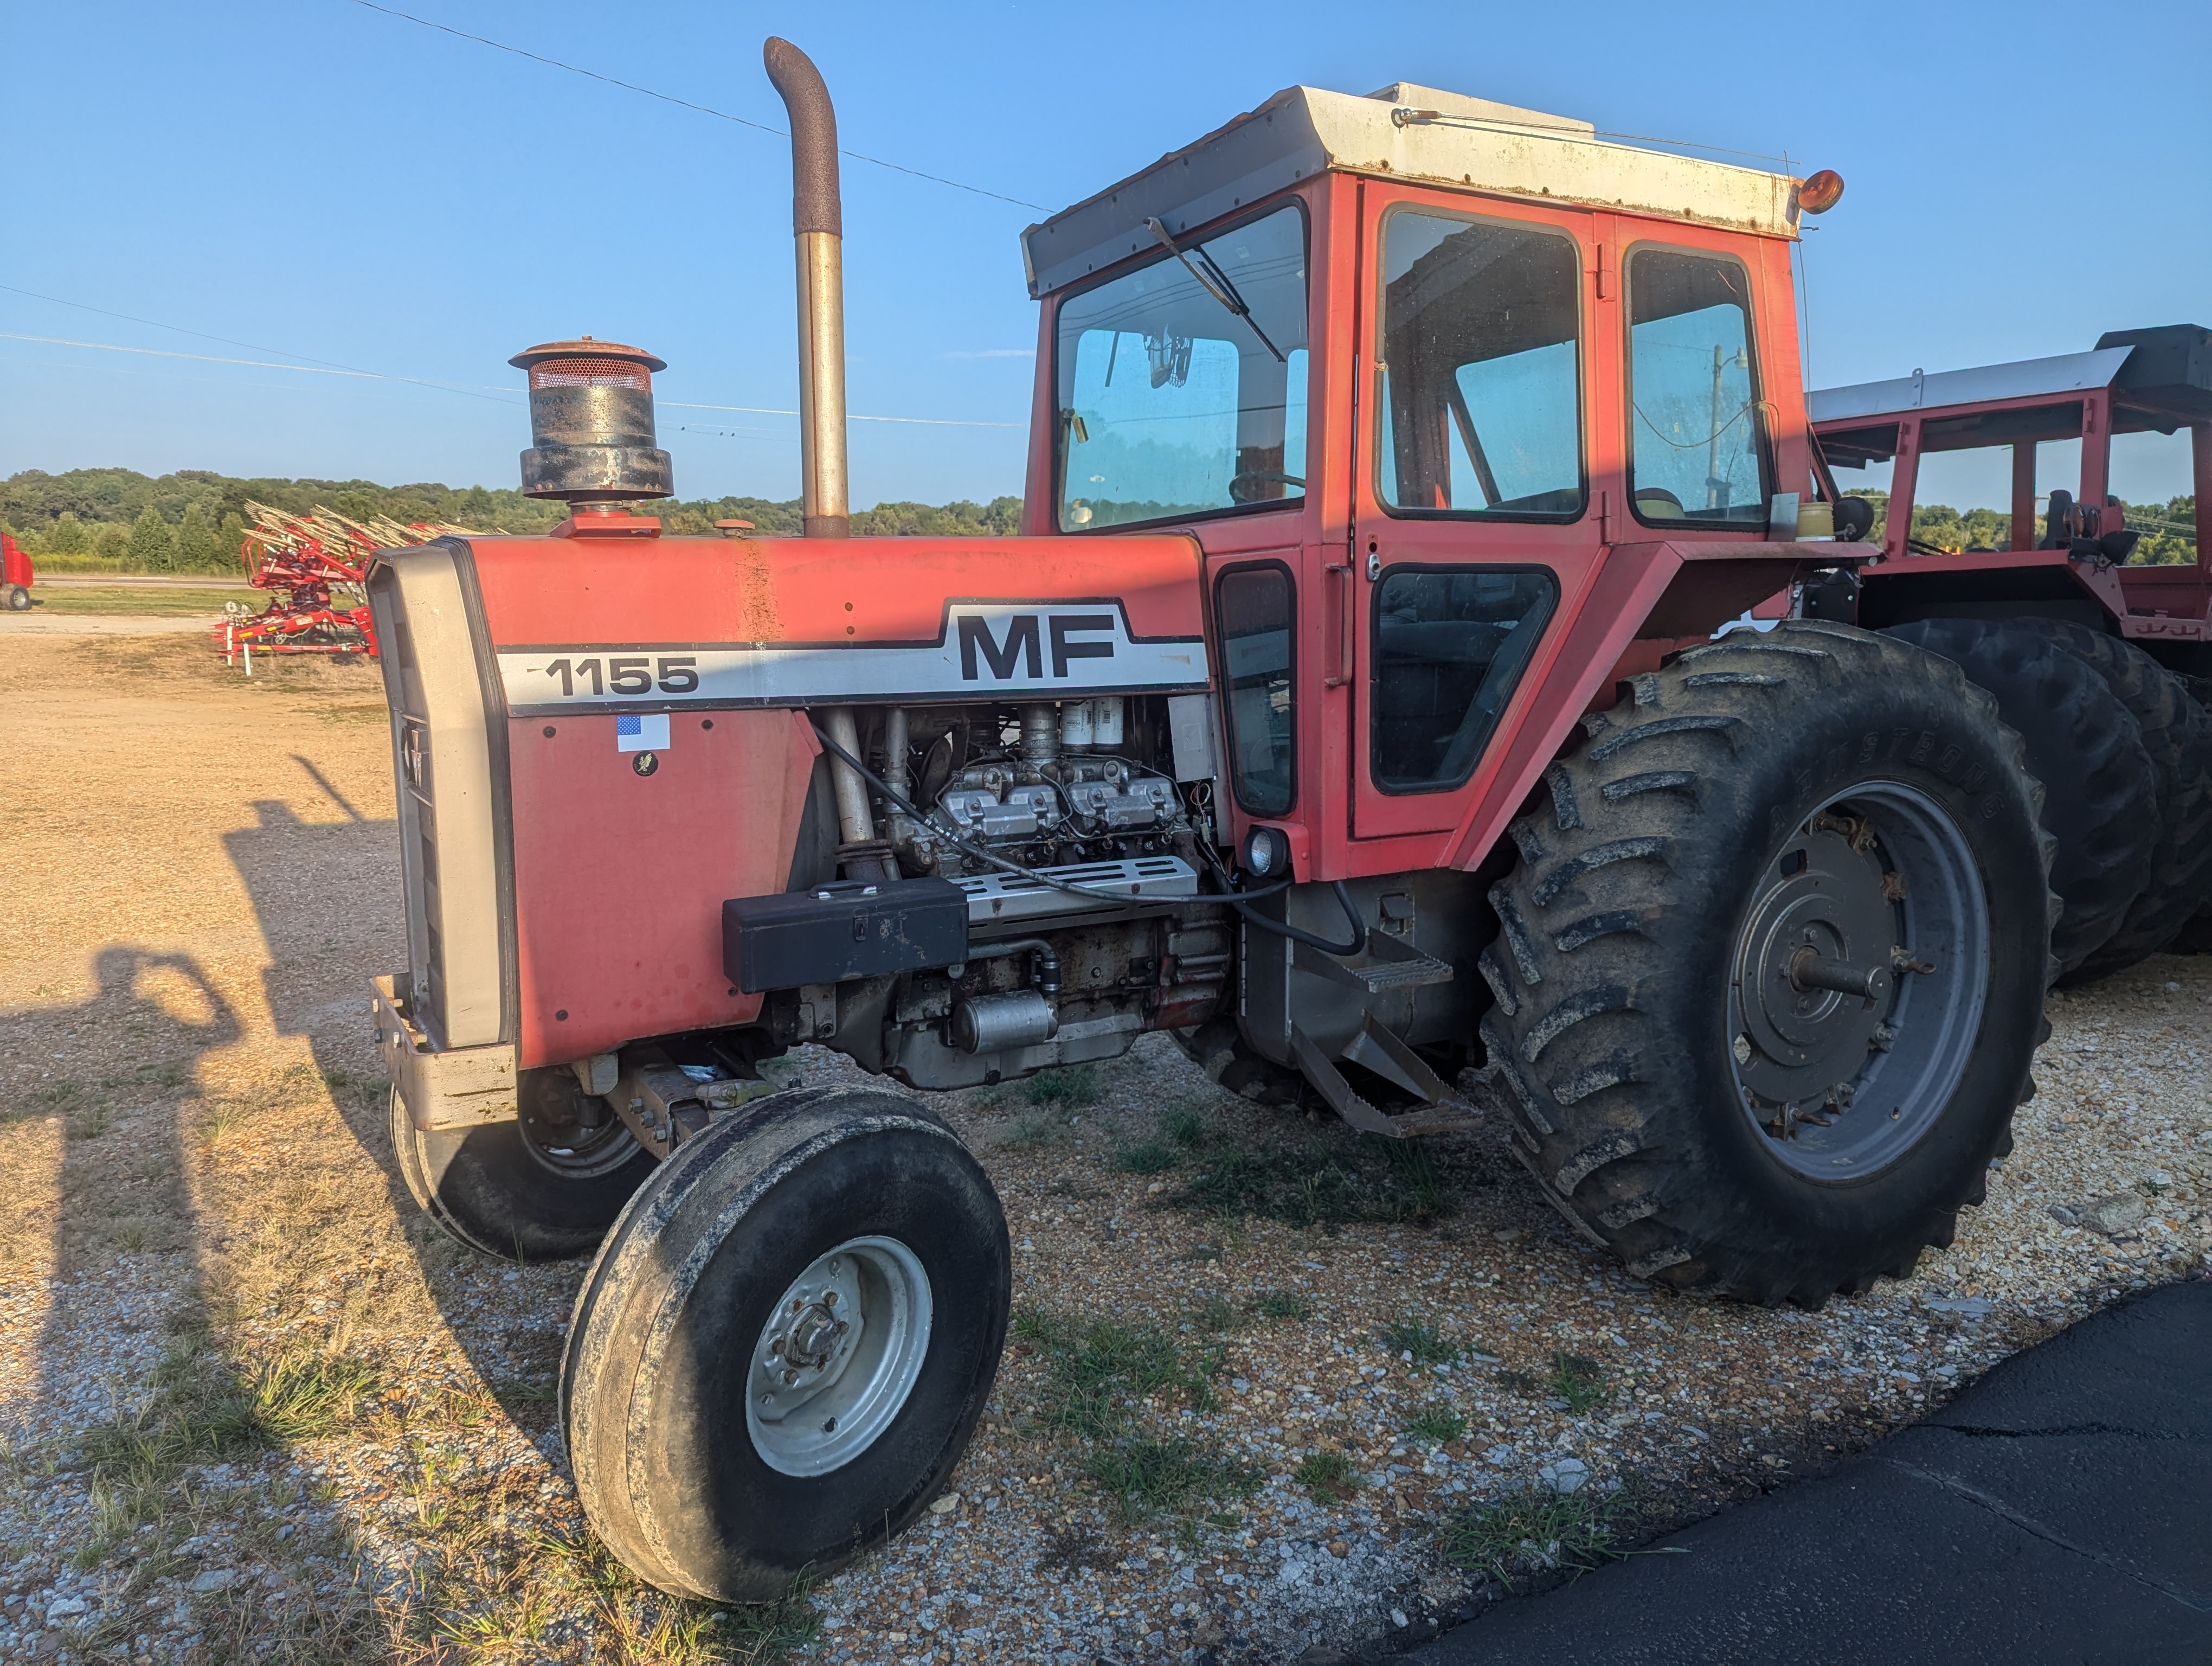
318 890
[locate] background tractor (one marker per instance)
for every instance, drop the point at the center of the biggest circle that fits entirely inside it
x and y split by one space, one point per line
2100 662
1351 707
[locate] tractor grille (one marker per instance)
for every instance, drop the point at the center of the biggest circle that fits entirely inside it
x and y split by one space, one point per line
448 760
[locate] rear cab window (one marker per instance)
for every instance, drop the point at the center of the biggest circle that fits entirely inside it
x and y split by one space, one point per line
1697 441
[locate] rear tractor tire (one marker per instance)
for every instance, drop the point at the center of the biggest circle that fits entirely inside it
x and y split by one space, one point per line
2087 749
784 1345
545 1187
1770 970
2176 734
18 599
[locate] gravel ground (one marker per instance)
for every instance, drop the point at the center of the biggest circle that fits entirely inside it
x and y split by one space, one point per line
251 1409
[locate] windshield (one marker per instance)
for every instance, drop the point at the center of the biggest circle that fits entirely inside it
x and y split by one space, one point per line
1182 385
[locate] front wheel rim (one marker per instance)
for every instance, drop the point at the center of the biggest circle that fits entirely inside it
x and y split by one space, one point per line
1857 982
839 1356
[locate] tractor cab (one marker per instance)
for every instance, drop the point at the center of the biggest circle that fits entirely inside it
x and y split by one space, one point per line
1409 367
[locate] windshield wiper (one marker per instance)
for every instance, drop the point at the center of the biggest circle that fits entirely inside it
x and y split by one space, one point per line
1215 283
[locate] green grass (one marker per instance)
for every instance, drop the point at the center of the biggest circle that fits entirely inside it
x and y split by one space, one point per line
204 1412
1279 1304
168 601
91 1123
1035 1130
1329 1477
1423 1343
1145 1477
1070 1087
1536 1530
1151 1157
305 1397
1178 1132
1435 1424
1579 1381
61 1096
1218 1314
1099 1370
1326 1181
1181 1126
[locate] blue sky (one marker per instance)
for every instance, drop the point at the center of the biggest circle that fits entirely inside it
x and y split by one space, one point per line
318 177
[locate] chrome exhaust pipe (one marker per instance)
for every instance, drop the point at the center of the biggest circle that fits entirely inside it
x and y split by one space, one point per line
818 223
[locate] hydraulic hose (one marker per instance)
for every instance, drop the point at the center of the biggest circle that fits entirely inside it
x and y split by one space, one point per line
1243 904
1048 962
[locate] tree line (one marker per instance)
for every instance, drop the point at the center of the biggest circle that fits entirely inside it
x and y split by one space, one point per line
2168 530
194 520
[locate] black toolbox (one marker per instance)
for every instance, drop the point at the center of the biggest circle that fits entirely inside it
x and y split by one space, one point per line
845 929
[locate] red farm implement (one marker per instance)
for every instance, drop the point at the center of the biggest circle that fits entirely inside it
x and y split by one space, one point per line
312 567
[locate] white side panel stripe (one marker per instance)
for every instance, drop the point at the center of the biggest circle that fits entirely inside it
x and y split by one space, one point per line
988 650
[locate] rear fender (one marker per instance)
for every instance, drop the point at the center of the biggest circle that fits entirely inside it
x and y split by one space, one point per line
1647 600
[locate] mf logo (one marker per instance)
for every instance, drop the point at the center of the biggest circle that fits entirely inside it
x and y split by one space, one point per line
1021 651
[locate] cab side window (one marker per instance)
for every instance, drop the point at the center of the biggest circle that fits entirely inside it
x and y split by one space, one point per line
1481 408
1450 644
1697 446
1256 611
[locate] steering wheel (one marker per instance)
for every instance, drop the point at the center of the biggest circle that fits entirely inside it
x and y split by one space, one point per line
1241 484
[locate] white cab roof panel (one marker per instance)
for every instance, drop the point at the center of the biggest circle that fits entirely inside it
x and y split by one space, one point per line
1403 132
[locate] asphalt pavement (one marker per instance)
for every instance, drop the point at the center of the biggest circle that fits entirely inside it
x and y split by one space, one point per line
2060 1509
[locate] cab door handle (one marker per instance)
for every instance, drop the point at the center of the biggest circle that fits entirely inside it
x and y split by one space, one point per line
1336 622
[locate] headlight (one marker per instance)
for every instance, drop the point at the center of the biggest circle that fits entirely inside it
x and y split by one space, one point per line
1267 853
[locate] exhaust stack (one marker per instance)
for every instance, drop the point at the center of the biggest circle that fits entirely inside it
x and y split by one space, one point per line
818 225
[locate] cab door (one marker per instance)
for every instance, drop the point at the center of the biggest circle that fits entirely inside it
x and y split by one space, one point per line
1479 497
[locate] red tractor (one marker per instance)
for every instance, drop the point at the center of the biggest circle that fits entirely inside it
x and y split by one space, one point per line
16 575
1351 708
2101 664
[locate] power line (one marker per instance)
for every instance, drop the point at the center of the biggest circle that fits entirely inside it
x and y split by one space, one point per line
686 104
155 324
256 364
497 396
850 416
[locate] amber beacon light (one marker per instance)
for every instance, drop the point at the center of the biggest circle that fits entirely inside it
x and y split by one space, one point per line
1821 193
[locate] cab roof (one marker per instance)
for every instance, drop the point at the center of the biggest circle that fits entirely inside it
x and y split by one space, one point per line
1403 132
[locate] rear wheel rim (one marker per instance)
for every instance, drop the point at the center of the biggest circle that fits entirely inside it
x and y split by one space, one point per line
1878 886
839 1356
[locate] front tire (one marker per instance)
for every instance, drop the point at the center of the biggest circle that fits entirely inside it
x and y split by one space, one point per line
18 599
1820 804
783 1347
540 1188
